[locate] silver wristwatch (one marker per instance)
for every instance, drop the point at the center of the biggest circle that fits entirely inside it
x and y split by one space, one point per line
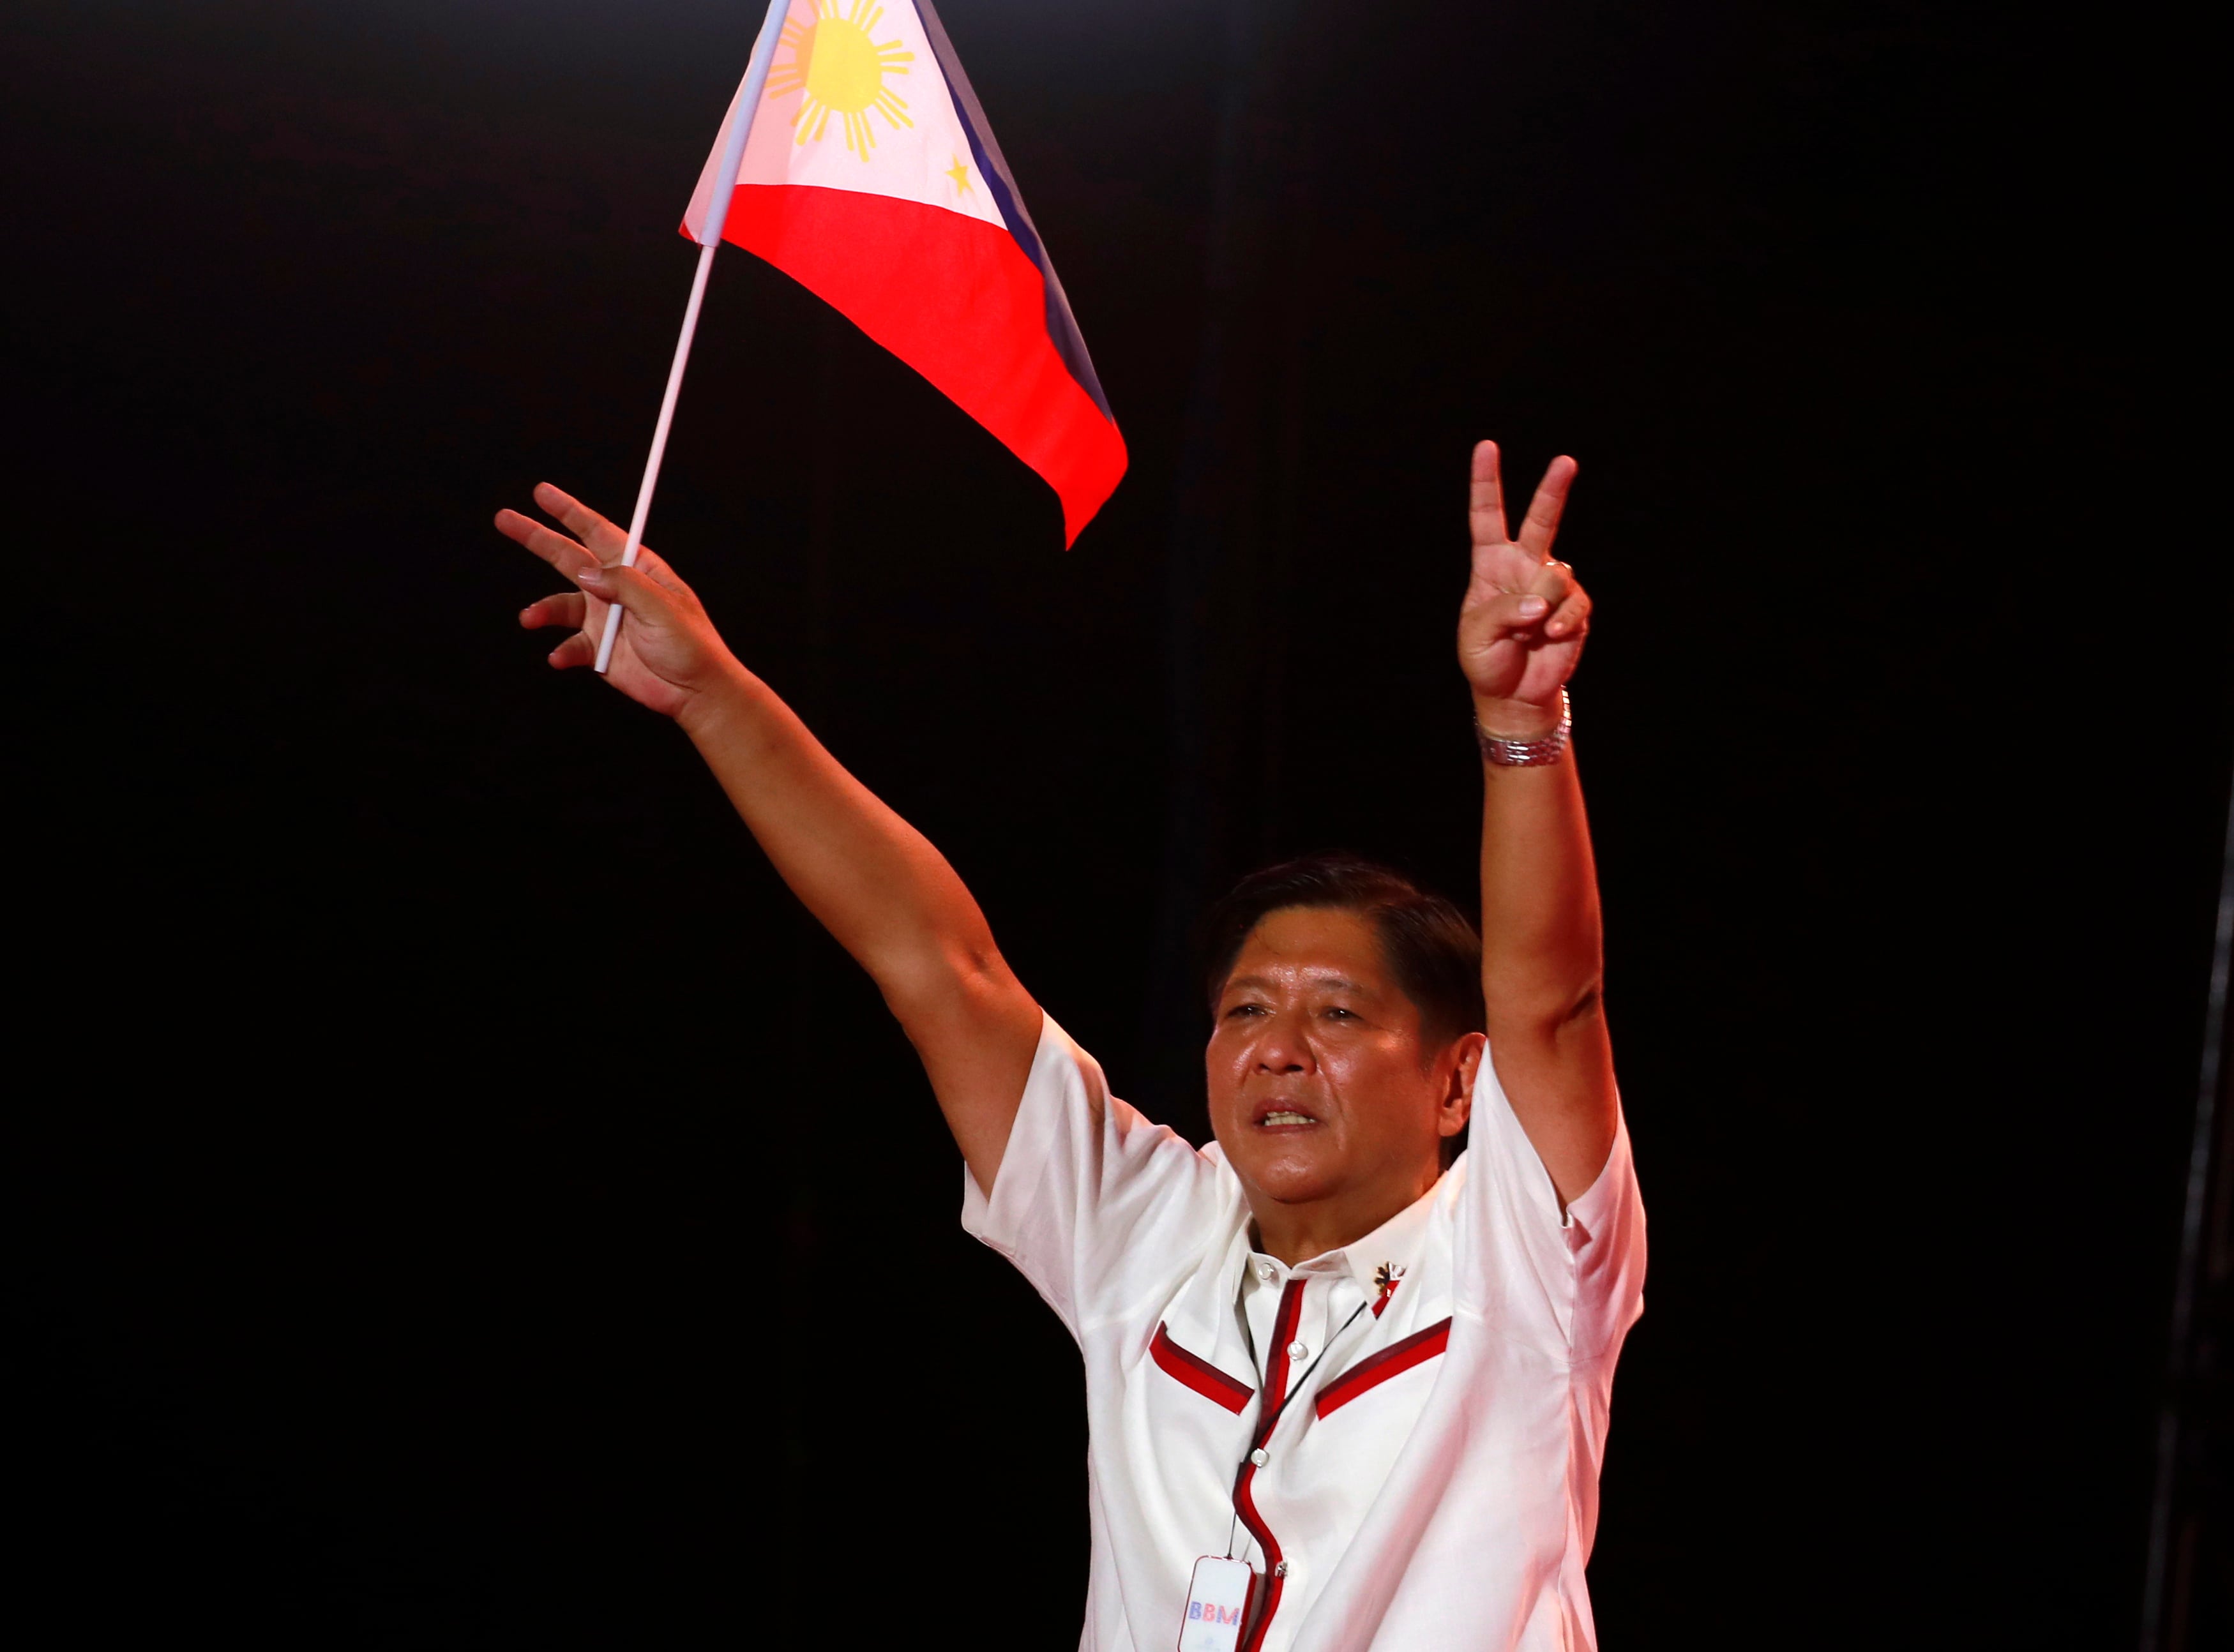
1527 753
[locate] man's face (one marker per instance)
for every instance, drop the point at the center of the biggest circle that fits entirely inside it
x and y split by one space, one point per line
1319 1084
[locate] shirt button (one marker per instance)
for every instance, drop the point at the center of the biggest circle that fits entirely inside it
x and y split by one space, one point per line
1297 1350
1280 1570
1260 1456
1263 1270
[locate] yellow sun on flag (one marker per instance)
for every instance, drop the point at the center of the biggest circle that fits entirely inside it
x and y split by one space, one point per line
843 69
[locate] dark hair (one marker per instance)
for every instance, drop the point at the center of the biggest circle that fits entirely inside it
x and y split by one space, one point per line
1426 942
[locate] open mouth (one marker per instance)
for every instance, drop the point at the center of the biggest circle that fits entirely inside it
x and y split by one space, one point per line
1283 1119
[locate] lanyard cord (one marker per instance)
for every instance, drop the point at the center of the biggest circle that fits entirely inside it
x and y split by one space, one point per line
1264 1433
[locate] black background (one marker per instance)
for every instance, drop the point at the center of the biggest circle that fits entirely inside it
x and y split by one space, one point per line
464 1202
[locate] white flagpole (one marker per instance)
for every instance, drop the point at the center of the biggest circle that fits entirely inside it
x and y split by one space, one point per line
709 237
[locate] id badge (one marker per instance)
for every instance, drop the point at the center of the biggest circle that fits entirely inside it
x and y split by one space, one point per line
1217 1604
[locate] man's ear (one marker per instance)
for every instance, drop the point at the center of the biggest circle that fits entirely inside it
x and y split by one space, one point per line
1457 1104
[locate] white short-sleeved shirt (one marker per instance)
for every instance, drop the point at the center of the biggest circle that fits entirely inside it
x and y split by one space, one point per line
1440 1386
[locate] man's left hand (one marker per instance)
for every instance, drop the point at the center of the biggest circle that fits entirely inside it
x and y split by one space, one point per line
1522 624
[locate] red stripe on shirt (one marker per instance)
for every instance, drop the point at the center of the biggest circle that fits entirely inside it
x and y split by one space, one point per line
1244 1503
1276 1362
1393 1361
1275 1580
1199 1373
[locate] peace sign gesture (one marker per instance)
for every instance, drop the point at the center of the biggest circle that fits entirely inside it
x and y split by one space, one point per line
1522 624
667 652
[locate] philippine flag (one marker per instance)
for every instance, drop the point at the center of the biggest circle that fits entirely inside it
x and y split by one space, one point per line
870 178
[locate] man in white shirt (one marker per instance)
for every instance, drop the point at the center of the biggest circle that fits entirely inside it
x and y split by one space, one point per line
1347 1387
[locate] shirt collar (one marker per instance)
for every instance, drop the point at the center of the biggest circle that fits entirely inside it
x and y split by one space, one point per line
1393 1246
1380 1260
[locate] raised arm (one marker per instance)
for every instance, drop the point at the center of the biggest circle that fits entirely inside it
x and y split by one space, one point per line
1520 632
872 880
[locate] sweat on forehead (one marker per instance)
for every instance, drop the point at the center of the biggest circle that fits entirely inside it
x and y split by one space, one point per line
1324 976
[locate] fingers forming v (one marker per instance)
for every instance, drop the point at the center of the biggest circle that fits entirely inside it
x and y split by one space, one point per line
604 541
1542 525
1485 499
557 549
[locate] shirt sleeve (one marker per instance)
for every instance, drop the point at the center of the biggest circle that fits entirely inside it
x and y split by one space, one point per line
1575 1279
1096 1205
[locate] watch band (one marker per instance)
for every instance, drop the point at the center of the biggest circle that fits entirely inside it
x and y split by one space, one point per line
1527 753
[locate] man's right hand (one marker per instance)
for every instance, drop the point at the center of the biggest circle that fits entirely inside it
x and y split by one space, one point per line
668 652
